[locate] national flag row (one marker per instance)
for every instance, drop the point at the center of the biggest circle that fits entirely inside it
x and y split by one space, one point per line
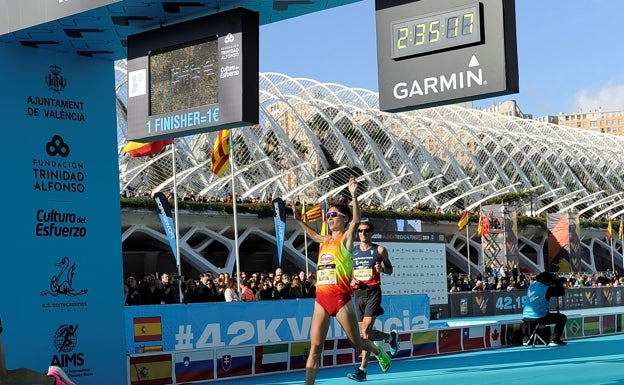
483 226
219 156
201 365
162 368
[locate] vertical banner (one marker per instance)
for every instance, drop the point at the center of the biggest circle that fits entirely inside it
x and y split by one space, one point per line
510 217
558 242
576 250
166 218
279 218
63 230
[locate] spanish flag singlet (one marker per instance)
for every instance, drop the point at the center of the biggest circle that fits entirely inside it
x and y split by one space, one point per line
333 275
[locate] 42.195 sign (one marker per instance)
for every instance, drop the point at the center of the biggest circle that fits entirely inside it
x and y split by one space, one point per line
510 302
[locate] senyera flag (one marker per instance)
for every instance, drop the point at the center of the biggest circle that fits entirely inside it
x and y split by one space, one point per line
315 213
138 149
220 155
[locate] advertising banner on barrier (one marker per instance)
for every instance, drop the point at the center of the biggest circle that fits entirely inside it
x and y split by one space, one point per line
183 327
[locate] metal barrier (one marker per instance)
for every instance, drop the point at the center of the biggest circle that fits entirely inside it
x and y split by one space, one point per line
502 302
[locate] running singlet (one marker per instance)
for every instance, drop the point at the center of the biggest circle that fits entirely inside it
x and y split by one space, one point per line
333 269
364 265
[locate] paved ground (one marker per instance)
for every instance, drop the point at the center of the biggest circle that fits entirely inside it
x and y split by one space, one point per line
588 361
591 361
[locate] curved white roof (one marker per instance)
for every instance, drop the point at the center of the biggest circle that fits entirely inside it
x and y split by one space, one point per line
313 135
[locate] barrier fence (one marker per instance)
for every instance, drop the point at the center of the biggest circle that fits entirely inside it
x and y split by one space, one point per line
179 344
502 302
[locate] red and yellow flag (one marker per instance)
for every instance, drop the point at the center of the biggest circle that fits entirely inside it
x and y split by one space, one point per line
315 213
609 230
621 230
138 149
220 155
152 370
483 228
147 329
463 222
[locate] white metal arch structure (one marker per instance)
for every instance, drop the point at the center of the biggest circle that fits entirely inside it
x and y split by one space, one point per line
312 135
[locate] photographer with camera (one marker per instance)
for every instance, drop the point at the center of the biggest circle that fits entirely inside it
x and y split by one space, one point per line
536 308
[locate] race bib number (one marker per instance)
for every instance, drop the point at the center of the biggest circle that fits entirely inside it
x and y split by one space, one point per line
326 275
363 274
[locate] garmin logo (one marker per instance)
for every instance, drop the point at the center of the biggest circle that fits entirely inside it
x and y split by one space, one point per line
472 77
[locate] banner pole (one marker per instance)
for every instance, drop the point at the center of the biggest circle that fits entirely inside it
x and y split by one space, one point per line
468 250
612 260
176 222
305 244
234 212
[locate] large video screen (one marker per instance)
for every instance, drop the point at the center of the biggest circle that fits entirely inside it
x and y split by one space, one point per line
184 77
196 76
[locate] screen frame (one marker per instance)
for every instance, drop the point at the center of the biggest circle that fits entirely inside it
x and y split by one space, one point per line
237 31
455 75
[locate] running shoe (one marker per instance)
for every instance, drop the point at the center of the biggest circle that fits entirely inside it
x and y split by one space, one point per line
59 375
385 362
557 343
394 342
359 375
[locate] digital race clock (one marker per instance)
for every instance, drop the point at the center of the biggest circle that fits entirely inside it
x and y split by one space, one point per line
436 52
437 31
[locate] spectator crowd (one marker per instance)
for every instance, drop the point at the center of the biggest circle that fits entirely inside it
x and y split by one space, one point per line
503 278
171 288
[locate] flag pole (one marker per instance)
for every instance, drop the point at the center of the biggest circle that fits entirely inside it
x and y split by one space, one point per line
612 260
234 213
305 242
468 250
176 222
621 235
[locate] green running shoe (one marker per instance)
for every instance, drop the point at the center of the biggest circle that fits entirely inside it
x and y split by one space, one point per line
385 362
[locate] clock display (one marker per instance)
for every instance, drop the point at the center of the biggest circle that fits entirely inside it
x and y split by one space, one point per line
435 32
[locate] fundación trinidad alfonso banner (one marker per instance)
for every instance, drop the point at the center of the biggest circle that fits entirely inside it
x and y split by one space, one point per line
60 233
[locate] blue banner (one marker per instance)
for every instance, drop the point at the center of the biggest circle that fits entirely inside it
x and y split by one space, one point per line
164 213
185 326
65 230
279 219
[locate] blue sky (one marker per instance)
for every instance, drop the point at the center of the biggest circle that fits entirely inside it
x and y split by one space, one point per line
570 52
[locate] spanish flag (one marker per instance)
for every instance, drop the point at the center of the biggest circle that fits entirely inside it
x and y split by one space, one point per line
151 370
220 155
464 220
137 149
609 230
147 329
